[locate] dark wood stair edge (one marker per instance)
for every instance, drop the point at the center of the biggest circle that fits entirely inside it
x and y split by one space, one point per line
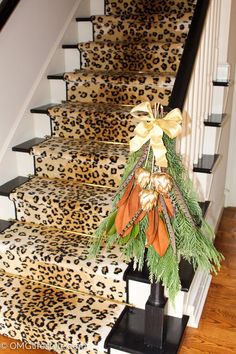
5 224
7 188
128 333
189 55
59 76
44 108
206 163
223 83
70 46
216 120
27 145
186 274
83 19
6 9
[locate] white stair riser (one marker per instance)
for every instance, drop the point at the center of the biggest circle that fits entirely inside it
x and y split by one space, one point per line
57 90
25 164
85 31
219 99
211 140
72 59
41 125
7 210
187 303
139 293
202 183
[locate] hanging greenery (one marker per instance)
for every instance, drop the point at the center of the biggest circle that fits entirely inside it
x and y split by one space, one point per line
155 208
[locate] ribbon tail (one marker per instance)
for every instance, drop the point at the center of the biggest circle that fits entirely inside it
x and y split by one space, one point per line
159 151
137 142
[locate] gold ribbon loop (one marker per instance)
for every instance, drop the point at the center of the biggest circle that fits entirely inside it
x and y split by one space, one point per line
152 128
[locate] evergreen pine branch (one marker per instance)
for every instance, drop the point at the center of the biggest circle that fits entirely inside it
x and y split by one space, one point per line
164 269
179 174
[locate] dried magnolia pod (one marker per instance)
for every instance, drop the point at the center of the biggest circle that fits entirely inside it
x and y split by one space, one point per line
148 199
142 177
162 182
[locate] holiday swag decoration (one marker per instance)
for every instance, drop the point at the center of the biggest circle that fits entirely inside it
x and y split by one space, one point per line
156 217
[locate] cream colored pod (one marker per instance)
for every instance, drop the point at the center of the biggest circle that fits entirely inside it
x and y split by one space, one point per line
162 182
142 177
148 199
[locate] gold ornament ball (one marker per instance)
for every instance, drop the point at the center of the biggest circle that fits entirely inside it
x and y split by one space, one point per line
162 182
148 199
142 177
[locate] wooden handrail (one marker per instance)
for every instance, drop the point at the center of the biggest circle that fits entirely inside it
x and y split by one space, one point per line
189 55
6 9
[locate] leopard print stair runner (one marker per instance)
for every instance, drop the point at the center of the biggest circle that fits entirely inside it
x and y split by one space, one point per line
82 160
135 28
53 256
61 321
68 205
92 121
126 57
121 88
135 56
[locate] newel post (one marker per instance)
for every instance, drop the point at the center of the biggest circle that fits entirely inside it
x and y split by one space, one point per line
154 316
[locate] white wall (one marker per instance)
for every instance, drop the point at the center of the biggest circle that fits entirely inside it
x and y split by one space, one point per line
28 42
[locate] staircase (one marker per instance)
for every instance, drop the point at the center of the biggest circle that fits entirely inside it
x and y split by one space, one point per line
52 295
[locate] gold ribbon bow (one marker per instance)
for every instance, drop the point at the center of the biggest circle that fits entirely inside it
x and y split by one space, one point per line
152 128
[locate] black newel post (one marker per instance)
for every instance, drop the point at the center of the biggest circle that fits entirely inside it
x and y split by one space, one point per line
154 316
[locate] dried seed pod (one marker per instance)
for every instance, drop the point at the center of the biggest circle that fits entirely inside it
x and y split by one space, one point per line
143 177
162 182
148 199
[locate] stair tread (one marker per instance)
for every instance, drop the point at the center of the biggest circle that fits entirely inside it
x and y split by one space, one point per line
142 6
43 313
128 334
136 28
58 76
27 145
6 188
94 121
54 246
134 77
206 163
215 120
43 109
129 46
63 203
72 149
83 160
57 189
180 17
4 224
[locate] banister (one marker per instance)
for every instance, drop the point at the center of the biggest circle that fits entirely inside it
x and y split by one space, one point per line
189 55
6 9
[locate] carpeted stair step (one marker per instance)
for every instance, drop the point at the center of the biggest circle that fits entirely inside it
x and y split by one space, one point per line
85 161
95 121
131 56
127 7
115 87
68 205
135 28
69 323
61 258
